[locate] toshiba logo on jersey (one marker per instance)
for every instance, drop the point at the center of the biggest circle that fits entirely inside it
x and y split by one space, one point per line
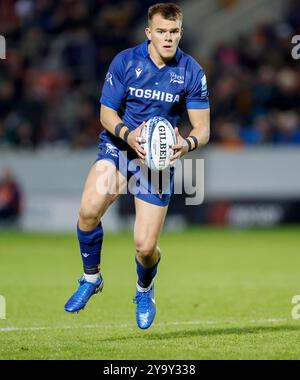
154 94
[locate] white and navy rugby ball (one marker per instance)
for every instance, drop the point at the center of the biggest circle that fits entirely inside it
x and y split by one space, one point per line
159 135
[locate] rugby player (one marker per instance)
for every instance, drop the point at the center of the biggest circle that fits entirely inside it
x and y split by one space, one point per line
155 78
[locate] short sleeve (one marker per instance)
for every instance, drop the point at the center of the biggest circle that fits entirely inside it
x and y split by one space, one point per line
197 92
113 89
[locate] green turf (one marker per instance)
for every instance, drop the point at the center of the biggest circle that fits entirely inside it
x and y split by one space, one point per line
220 294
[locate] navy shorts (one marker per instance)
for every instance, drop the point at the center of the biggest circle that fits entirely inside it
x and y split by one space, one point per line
150 186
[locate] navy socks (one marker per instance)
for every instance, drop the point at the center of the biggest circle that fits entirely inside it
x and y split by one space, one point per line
145 275
90 243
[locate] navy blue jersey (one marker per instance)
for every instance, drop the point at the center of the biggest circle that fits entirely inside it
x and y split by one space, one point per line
138 90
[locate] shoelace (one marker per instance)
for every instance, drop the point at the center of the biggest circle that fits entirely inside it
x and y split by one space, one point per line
142 299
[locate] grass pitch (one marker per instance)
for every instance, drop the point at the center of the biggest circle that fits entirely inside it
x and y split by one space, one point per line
220 294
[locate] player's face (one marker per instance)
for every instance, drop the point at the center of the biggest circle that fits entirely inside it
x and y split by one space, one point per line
164 36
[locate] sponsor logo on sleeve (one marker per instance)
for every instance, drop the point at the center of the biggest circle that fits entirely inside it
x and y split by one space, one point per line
108 78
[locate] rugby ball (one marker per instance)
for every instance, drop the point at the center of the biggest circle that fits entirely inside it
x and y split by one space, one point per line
159 135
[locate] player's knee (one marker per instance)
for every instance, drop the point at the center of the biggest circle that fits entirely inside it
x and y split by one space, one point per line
89 211
145 248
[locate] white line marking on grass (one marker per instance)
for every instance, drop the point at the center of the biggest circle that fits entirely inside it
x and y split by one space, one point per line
269 320
127 325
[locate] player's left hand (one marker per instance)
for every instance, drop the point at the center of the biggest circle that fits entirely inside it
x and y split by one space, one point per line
180 149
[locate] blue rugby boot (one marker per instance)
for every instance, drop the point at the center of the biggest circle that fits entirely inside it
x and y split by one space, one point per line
145 307
80 298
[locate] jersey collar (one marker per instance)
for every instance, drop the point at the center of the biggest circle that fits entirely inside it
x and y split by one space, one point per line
146 53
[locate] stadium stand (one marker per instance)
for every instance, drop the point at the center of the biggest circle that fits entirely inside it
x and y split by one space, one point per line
58 53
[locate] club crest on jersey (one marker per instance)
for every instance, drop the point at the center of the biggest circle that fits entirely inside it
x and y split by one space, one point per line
138 71
176 78
108 78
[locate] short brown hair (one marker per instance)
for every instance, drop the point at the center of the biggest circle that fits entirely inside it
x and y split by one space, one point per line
169 11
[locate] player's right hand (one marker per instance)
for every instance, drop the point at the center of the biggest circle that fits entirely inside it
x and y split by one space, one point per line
135 140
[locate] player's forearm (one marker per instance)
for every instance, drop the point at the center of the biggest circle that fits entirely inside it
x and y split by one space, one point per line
113 123
198 137
109 119
201 135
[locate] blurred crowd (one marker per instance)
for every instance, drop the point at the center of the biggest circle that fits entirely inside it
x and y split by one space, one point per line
58 53
57 56
255 86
